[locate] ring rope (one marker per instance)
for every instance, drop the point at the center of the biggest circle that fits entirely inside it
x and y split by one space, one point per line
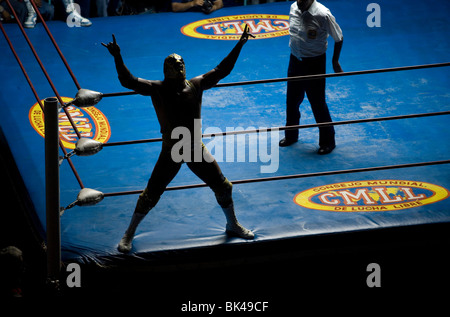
36 9
296 78
331 75
44 70
294 176
307 77
77 176
293 127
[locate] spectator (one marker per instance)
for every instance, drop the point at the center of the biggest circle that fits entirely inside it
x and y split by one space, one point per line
11 271
106 7
45 9
205 6
19 7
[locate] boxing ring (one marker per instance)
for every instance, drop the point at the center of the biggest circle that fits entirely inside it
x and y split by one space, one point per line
390 110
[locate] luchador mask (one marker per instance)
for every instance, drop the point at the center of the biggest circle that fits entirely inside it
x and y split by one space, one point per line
174 67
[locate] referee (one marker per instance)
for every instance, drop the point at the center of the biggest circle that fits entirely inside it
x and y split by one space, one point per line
310 25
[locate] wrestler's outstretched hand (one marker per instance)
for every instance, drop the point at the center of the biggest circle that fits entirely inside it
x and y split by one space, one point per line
112 47
245 35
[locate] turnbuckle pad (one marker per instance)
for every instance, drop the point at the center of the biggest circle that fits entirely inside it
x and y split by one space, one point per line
83 147
86 98
88 197
86 147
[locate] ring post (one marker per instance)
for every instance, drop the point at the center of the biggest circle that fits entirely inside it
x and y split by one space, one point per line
52 192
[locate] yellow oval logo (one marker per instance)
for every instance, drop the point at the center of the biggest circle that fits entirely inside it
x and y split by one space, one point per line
262 26
376 195
90 122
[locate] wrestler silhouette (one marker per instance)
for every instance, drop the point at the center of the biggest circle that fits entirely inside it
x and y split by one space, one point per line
177 103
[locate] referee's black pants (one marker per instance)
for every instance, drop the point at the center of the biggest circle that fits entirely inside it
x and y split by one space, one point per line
315 91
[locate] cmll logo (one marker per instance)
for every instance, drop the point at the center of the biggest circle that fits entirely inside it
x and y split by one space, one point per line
90 122
231 27
376 195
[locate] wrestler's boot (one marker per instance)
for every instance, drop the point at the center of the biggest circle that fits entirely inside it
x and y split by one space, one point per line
143 206
233 227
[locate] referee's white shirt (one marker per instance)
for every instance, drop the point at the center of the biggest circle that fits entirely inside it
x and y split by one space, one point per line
309 30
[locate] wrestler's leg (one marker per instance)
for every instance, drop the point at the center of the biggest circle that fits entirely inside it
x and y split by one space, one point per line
209 171
164 171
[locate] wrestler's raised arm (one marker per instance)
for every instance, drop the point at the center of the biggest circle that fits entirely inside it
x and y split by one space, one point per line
211 78
127 79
